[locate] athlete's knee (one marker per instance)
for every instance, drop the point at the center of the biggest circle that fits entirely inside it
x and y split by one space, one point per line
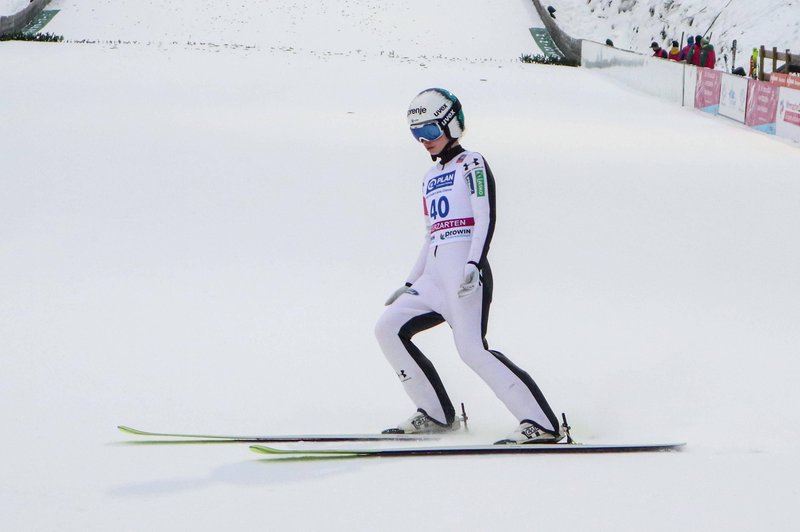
474 354
387 326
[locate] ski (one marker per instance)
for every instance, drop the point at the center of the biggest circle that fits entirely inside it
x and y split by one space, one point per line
568 448
310 438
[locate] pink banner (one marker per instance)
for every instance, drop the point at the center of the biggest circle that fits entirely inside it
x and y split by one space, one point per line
782 80
785 80
762 105
709 87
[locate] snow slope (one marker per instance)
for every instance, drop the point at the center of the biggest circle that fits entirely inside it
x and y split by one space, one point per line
198 237
473 30
634 24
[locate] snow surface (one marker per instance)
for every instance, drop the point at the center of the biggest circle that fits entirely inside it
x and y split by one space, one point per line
634 24
200 237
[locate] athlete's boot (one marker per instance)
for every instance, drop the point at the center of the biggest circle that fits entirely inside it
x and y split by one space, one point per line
421 423
527 432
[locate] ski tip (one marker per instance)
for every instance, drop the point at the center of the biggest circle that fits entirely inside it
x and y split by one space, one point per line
129 430
263 449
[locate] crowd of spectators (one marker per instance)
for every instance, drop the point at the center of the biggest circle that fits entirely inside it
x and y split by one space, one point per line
698 51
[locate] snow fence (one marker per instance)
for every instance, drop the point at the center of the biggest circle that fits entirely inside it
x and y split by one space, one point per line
15 23
772 107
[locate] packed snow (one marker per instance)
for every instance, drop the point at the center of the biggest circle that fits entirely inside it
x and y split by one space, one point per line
200 222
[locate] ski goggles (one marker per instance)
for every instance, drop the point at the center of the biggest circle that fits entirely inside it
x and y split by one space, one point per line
428 131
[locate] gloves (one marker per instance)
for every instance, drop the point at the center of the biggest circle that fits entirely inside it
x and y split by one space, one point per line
471 281
469 284
397 293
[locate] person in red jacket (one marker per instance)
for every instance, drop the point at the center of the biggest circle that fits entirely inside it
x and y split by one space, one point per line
708 57
674 52
689 46
693 57
657 51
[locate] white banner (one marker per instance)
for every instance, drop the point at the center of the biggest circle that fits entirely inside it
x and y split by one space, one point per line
733 98
788 124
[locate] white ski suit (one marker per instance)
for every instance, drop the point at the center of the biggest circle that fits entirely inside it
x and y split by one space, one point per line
459 207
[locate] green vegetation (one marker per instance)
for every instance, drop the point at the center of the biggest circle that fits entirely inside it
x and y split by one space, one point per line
547 60
38 37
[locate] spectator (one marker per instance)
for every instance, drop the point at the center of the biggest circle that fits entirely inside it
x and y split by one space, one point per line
657 51
739 71
685 51
610 43
674 52
552 11
693 57
708 57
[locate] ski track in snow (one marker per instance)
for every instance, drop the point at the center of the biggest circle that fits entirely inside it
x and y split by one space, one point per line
200 238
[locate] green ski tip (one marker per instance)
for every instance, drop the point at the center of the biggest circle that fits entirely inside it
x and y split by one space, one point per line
129 430
263 449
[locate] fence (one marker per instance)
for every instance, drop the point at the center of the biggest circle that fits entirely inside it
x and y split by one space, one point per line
791 62
772 107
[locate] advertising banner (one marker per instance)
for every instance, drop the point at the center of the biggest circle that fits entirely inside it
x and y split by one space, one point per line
733 97
779 79
788 120
762 105
545 43
39 22
709 86
785 80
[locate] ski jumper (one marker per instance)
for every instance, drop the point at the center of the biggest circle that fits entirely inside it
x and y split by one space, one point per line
459 208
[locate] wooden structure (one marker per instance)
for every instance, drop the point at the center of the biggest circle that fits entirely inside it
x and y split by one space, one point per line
791 62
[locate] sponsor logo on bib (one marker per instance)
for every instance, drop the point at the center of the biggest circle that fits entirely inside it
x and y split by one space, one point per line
480 182
441 181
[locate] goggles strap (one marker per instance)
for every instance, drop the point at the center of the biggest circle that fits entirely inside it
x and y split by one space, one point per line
451 114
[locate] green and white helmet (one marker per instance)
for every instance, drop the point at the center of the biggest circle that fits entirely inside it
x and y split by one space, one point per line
434 112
